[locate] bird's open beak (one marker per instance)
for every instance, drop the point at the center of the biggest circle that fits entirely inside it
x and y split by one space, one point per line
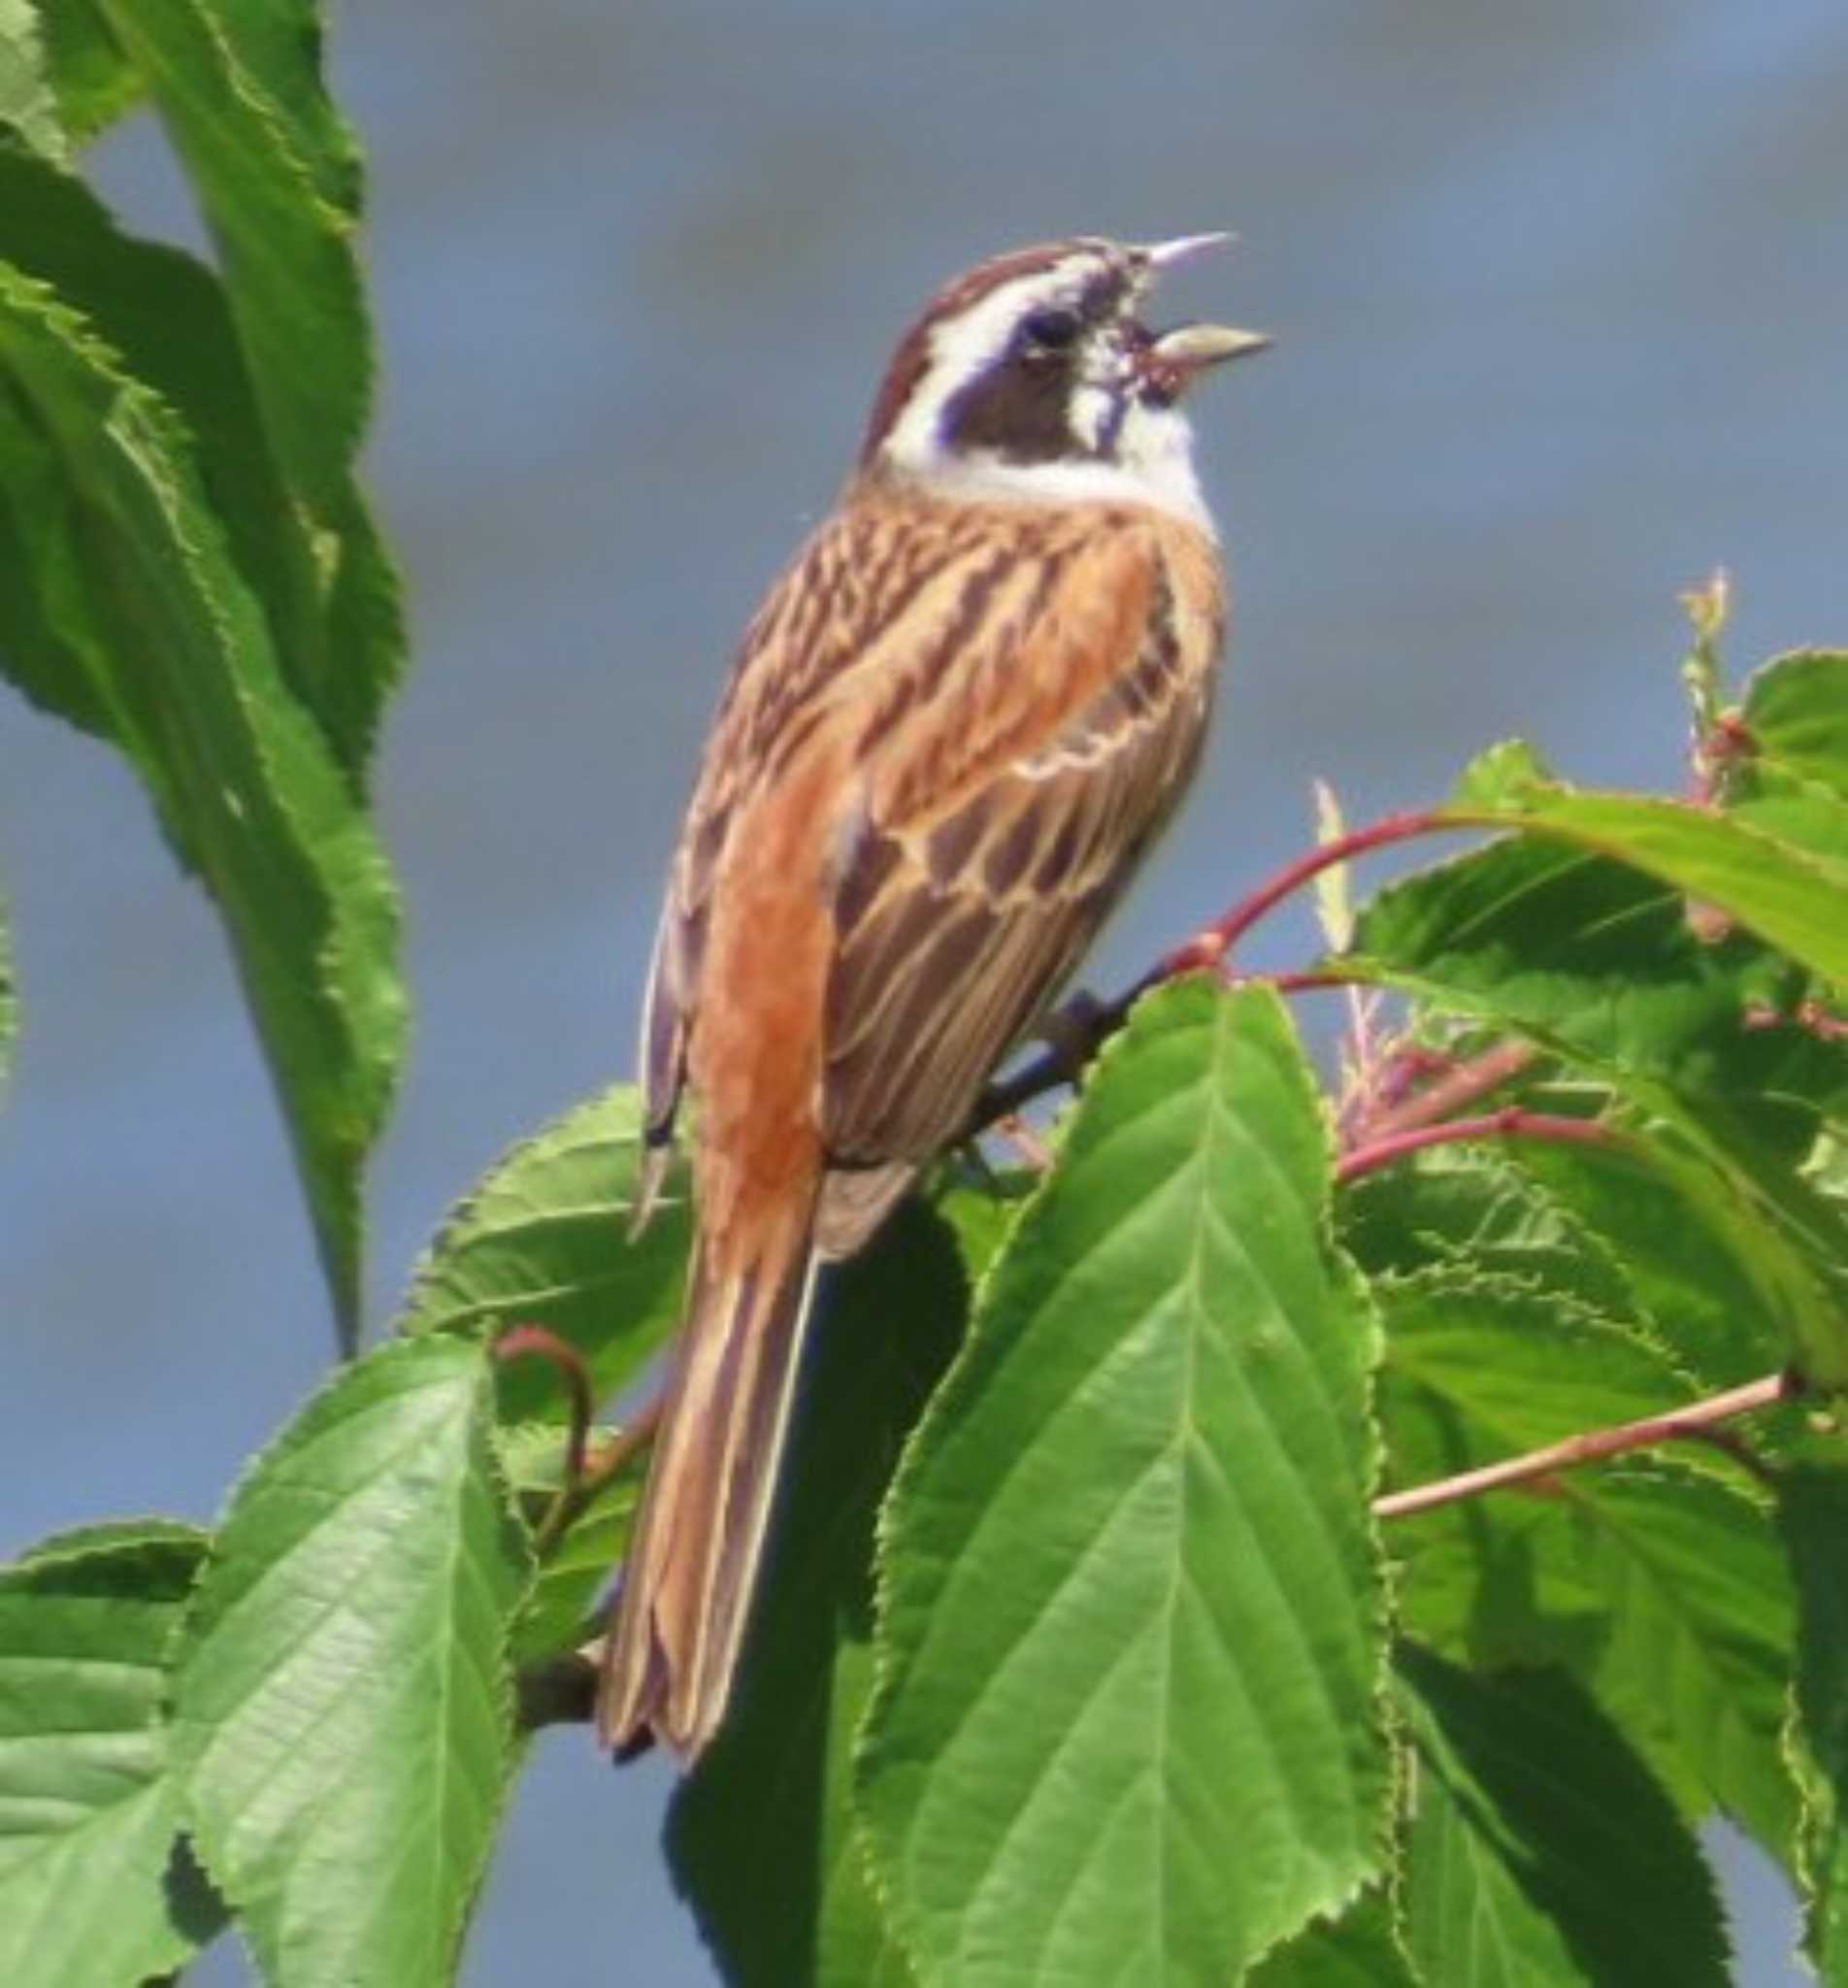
1172 359
1171 363
1183 249
1192 347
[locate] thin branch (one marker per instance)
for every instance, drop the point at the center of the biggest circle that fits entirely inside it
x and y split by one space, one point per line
1458 1084
608 1462
1510 1122
537 1342
1310 980
1694 1424
1214 942
1030 1149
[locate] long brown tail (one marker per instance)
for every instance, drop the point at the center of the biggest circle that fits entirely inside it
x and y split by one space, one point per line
692 1561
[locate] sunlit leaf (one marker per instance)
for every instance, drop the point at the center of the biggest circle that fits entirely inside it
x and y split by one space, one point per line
1795 710
558 1612
1126 1724
135 587
1593 960
542 1239
93 1887
1791 899
343 1717
1814 1512
166 318
1362 1949
276 172
28 99
94 82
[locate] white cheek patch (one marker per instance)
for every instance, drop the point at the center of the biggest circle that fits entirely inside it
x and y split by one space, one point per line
1099 400
966 347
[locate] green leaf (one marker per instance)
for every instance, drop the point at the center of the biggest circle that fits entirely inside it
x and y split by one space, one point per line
1500 776
982 1212
239 92
1662 1586
135 588
1363 1948
342 1712
1813 1512
94 82
92 1887
1127 1724
558 1612
1594 962
1791 899
1802 814
1475 1207
332 613
28 102
1688 1251
1697 1660
1796 710
1480 1366
541 1240
770 1798
1540 1852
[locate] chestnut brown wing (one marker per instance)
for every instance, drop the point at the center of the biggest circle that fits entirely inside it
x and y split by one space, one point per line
836 616
1002 815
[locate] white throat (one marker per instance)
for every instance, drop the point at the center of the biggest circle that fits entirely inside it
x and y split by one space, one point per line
1154 465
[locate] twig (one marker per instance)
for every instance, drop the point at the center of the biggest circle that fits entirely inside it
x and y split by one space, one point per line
537 1342
584 1474
1510 1122
1029 1148
611 1461
1694 1424
1460 1084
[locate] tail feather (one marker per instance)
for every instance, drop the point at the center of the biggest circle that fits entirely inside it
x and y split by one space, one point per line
692 1562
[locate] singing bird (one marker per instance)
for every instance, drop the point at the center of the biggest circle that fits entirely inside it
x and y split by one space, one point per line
952 731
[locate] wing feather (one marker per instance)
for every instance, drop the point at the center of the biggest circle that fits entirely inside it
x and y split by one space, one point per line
963 904
1018 695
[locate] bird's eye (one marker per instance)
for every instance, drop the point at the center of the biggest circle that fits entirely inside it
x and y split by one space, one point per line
1050 331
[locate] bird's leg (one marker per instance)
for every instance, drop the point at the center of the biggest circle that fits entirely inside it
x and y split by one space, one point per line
1075 1030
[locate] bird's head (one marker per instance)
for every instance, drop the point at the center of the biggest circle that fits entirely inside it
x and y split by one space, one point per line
1033 375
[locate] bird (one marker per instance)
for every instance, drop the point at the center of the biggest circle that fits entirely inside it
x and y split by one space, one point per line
952 731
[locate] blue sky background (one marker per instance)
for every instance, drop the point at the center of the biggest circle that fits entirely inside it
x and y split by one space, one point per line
1560 296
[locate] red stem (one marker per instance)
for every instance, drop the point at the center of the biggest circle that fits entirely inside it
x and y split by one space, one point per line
1211 944
1460 1084
537 1342
1510 1122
